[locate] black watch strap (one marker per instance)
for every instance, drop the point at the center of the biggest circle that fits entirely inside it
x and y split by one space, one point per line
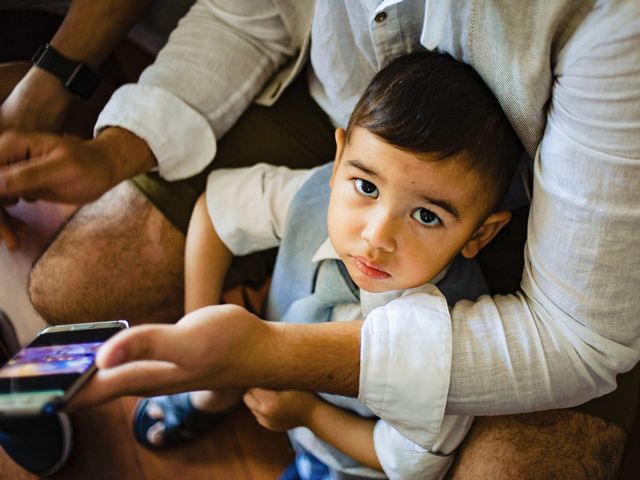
76 77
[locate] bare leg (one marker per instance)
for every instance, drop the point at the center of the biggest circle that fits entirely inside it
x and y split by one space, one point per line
556 444
116 258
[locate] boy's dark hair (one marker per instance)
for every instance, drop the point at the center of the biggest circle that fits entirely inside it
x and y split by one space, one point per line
429 103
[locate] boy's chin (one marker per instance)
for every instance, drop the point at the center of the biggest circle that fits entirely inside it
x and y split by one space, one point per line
375 285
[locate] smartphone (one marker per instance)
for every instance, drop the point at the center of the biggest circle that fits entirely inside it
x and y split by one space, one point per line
45 374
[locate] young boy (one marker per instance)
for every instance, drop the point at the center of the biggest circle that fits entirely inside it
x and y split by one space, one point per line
408 202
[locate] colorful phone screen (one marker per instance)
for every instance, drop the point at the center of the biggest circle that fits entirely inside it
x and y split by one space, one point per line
52 360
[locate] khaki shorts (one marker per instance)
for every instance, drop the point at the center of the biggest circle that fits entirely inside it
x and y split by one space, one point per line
296 132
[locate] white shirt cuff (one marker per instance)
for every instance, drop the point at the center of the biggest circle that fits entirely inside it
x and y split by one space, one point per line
407 389
404 460
180 138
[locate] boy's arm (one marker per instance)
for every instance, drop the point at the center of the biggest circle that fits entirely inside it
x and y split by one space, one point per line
346 431
372 442
207 260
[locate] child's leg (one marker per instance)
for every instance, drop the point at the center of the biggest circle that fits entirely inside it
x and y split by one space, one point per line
207 260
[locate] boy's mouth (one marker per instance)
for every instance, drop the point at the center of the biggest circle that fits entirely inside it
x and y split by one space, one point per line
370 269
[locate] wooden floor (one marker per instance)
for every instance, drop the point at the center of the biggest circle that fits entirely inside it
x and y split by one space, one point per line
237 448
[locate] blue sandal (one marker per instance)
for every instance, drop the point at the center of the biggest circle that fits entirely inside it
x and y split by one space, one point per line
182 421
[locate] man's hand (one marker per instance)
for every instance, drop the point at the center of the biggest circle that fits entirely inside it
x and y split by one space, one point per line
37 166
213 347
9 228
225 346
38 102
280 410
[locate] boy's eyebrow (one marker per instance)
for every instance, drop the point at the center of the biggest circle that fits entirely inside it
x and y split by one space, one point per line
444 204
357 164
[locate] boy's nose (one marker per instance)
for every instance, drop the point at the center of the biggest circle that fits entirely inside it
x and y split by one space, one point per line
380 231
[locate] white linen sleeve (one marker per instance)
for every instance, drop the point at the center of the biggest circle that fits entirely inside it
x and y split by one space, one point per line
405 360
215 62
402 459
249 206
574 326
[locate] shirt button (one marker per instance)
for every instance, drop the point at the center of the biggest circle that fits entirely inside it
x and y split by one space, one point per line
380 17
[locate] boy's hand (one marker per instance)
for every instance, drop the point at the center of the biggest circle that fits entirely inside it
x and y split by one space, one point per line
280 410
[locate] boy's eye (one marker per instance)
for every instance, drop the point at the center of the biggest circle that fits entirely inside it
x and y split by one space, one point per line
426 217
366 188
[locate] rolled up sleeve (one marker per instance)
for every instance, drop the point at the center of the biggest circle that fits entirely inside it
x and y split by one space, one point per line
405 363
400 458
249 206
215 63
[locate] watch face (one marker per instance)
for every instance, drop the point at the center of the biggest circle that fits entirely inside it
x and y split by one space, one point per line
83 81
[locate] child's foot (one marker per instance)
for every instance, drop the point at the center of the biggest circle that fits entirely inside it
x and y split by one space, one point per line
40 445
168 420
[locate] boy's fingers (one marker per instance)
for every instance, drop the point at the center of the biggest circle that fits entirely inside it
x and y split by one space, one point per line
146 342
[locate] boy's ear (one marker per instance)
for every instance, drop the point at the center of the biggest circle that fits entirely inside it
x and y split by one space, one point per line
340 141
485 233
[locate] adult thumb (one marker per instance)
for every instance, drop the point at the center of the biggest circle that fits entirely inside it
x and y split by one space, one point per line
146 342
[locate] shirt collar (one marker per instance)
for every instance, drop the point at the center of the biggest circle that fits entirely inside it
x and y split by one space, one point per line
325 252
370 300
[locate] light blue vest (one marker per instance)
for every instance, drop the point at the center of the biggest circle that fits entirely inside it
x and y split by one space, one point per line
303 291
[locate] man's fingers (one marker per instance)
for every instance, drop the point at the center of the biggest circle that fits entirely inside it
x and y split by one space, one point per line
9 201
7 234
143 378
26 178
18 146
250 399
146 342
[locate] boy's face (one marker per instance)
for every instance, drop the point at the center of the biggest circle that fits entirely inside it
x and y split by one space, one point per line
396 220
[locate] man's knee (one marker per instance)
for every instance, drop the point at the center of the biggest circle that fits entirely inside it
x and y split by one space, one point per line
118 257
546 445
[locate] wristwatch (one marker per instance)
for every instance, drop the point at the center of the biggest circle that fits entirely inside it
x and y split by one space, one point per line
76 77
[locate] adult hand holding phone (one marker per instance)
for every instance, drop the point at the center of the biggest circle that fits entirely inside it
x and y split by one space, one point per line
211 347
225 346
47 373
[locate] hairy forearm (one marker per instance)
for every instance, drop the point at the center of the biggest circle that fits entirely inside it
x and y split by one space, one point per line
127 154
318 357
91 30
39 102
207 260
349 433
